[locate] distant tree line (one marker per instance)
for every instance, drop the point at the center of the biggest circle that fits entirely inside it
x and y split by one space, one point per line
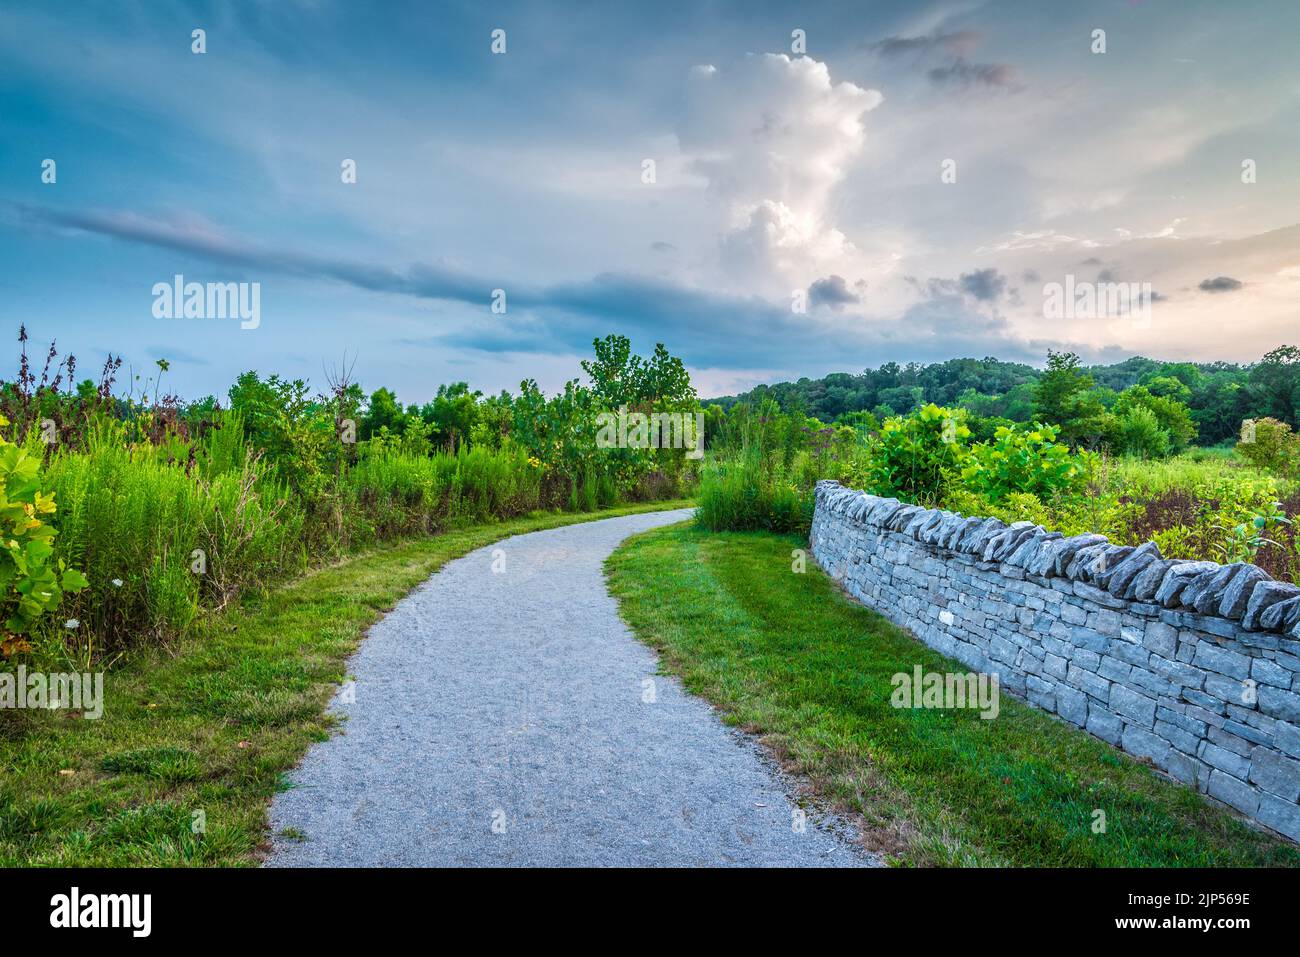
1143 406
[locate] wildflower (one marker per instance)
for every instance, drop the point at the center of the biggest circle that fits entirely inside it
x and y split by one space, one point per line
71 623
117 583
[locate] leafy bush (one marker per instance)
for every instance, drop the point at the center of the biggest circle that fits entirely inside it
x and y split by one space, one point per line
1172 419
32 581
1024 459
1270 445
918 456
1137 432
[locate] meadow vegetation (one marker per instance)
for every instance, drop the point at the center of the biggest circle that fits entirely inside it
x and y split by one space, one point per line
132 514
1084 459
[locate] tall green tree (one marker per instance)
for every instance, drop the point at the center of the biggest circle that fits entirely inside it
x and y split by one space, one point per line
1064 396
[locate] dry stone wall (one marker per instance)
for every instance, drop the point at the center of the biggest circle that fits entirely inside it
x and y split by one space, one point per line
1192 665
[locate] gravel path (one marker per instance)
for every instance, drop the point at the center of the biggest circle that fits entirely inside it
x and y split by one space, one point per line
510 718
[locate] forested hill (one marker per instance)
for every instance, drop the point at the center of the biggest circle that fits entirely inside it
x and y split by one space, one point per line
1219 395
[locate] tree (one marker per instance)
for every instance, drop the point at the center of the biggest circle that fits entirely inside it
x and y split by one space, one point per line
1172 418
382 412
620 378
1275 385
1064 396
453 414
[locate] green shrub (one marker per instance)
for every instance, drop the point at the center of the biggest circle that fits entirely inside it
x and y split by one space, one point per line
918 456
1270 445
1138 433
32 580
1024 459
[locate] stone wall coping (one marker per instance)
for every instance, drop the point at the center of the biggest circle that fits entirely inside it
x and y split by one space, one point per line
1239 592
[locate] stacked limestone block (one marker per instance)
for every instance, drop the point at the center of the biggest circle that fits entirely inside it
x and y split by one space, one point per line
1192 665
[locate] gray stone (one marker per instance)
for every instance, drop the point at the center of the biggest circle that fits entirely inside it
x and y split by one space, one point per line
1245 731
1130 704
1187 723
1190 665
1063 552
1105 725
1266 595
1146 583
1083 558
1184 768
1088 681
1281 816
1279 704
1225 662
1270 673
903 517
1276 774
975 542
1095 594
1281 617
1206 592
1027 551
1176 581
1130 568
1286 738
1226 689
1160 638
1072 705
1235 764
961 531
1234 793
1144 744
1236 598
1072 614
1104 566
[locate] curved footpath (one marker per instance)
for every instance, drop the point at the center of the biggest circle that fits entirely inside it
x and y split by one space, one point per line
510 718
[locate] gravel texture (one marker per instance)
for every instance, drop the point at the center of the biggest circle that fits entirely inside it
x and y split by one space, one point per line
510 718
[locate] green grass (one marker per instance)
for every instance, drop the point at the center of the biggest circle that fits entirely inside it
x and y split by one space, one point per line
788 657
205 734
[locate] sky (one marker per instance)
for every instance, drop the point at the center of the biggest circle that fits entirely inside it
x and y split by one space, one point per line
770 190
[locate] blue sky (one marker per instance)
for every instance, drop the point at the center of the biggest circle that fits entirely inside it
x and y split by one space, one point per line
776 172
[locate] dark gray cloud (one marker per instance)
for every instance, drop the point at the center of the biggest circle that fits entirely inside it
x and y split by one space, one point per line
955 42
708 329
985 285
832 291
1220 284
963 73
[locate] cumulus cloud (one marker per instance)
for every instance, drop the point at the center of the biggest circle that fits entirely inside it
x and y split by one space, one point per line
772 136
1220 284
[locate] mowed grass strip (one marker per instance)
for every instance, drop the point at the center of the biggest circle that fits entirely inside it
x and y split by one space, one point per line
192 745
789 657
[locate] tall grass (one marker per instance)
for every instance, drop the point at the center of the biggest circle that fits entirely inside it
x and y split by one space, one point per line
743 493
157 537
164 532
